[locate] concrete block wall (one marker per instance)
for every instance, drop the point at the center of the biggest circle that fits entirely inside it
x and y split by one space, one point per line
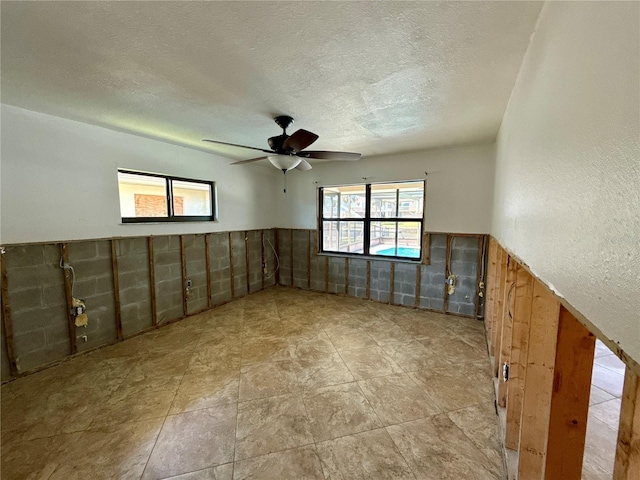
38 305
431 291
464 265
91 261
37 299
134 283
194 252
5 370
168 277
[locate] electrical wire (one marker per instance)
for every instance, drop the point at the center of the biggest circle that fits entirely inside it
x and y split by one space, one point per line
73 274
274 252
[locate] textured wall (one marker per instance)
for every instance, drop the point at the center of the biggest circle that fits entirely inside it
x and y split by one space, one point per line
134 283
568 163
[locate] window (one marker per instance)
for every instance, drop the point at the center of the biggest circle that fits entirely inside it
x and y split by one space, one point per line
148 197
373 219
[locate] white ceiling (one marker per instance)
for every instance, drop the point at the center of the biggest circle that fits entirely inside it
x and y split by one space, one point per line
372 77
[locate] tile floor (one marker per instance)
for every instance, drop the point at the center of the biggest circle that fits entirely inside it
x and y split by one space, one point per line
282 384
604 414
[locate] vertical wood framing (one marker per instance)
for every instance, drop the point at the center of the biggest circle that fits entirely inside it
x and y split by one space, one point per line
519 349
491 288
392 281
447 269
418 281
263 263
627 464
346 276
73 345
183 268
569 399
501 277
368 285
116 288
291 255
152 283
543 332
505 337
426 249
246 261
277 248
207 262
7 323
231 269
309 259
326 274
479 276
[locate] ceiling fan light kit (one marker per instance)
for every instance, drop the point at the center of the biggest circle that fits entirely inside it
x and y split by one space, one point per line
288 151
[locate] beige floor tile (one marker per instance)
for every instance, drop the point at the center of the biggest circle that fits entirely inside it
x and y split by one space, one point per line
611 362
206 390
414 356
607 412
271 424
369 455
267 380
369 362
435 448
119 451
607 380
397 398
320 371
215 358
349 337
339 410
599 450
311 344
480 424
222 472
602 350
193 441
262 349
299 463
386 332
598 395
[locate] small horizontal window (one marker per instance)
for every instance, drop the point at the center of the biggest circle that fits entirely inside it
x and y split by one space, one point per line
384 219
147 197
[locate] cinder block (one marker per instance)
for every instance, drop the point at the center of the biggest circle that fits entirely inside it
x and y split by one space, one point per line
82 251
24 256
27 298
30 341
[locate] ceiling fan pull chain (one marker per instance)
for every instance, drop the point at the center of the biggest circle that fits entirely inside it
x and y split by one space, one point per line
285 181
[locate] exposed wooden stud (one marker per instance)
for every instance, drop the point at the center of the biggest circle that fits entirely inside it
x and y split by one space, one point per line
543 332
7 323
447 269
418 281
426 249
479 278
505 336
346 276
627 464
291 253
246 260
368 285
116 289
569 399
183 266
326 274
491 287
523 297
263 263
277 248
231 269
498 308
392 281
68 285
152 283
309 259
207 262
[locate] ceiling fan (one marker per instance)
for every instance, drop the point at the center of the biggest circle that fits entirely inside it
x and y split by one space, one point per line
288 151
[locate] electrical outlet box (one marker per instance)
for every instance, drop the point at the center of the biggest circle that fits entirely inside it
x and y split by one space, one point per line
189 283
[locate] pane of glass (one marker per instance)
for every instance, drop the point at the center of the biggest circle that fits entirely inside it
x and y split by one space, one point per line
383 200
142 196
411 200
191 198
352 237
395 239
330 236
330 202
352 201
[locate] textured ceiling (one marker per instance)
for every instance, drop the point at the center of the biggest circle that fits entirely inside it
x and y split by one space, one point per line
373 77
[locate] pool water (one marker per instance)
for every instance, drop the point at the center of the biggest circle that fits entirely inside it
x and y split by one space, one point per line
402 252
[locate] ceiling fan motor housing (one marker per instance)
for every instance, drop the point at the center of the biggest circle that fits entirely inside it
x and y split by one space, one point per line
277 143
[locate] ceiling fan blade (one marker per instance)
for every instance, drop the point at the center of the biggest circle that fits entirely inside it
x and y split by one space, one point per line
235 145
299 140
303 166
324 155
248 161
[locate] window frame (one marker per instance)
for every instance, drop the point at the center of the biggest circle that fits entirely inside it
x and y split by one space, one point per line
171 216
368 220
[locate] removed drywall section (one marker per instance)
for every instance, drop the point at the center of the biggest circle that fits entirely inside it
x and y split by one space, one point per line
357 277
270 257
337 275
380 281
284 252
134 283
300 258
432 276
194 251
464 265
38 306
238 243
166 250
220 271
317 266
254 252
91 262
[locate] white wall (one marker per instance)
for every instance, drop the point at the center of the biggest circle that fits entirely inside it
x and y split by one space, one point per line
59 181
459 186
567 197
